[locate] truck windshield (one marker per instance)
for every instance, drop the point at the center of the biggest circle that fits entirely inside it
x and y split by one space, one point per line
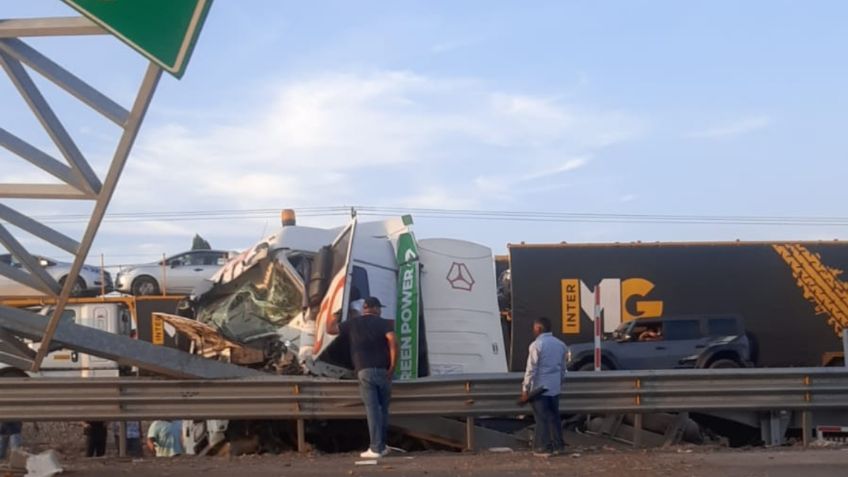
256 303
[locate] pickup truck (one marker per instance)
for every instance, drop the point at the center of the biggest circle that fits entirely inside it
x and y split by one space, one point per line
695 341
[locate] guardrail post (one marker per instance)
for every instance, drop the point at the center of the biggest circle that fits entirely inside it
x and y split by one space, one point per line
807 427
637 430
807 415
301 435
122 439
470 444
301 424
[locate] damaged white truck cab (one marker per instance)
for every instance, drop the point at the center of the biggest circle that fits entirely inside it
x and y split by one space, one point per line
268 307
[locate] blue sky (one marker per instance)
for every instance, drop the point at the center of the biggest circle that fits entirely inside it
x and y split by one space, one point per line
630 107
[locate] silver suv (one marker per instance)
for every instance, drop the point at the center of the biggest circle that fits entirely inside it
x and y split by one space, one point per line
91 280
178 274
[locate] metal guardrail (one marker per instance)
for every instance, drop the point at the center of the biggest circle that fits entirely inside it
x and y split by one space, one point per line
301 398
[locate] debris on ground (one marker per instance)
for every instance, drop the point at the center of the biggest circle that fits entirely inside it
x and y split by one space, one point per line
22 463
45 464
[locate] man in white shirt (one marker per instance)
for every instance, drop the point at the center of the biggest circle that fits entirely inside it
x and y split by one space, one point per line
542 385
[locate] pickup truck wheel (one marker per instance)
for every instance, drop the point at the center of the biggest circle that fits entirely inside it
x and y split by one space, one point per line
145 286
724 364
590 366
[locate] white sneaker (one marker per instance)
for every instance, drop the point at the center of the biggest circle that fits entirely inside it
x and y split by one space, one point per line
385 452
369 454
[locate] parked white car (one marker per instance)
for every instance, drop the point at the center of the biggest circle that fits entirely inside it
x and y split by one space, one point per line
179 274
89 282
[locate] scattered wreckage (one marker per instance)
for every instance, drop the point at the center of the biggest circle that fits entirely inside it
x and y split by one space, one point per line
267 308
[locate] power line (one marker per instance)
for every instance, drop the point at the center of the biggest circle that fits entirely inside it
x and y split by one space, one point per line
456 214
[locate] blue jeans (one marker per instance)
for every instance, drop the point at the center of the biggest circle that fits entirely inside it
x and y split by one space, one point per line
376 391
548 424
9 442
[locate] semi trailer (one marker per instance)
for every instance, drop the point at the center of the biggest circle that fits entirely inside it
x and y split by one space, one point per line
789 300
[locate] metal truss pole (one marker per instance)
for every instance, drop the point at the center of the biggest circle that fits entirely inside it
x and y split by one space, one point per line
77 178
139 109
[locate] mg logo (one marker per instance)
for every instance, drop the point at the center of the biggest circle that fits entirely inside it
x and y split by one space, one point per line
460 277
621 301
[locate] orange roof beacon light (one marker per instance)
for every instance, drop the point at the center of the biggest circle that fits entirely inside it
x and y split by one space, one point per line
287 217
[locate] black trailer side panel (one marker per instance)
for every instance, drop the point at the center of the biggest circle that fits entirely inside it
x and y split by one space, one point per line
792 296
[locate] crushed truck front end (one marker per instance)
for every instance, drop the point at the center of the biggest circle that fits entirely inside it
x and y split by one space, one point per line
268 307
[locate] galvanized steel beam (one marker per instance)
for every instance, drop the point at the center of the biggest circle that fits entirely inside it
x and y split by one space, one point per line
124 350
51 123
57 26
139 109
24 278
39 158
38 229
495 395
12 343
43 191
29 262
66 80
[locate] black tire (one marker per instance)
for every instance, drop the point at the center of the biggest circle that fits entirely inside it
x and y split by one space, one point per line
724 364
590 366
79 287
145 285
12 373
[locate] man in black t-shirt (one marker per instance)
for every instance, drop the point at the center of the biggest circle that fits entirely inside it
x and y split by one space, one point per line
373 351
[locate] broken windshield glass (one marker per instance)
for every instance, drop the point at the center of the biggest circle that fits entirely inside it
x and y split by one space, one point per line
255 304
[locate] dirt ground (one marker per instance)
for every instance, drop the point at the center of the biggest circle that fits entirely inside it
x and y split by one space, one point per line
693 462
586 457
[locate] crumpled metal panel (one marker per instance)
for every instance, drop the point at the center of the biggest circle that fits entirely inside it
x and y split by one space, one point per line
254 305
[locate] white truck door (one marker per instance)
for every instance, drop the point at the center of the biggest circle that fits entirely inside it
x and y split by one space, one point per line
317 338
63 359
462 322
104 318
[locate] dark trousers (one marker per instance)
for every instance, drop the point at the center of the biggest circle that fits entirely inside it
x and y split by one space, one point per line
133 446
548 424
96 439
376 391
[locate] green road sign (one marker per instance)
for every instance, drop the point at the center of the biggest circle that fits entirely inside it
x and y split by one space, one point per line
162 30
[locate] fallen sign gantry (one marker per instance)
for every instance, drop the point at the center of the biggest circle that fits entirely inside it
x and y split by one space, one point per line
303 398
15 323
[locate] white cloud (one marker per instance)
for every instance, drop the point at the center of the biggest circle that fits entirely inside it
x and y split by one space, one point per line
384 138
567 166
528 181
436 197
316 138
733 128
